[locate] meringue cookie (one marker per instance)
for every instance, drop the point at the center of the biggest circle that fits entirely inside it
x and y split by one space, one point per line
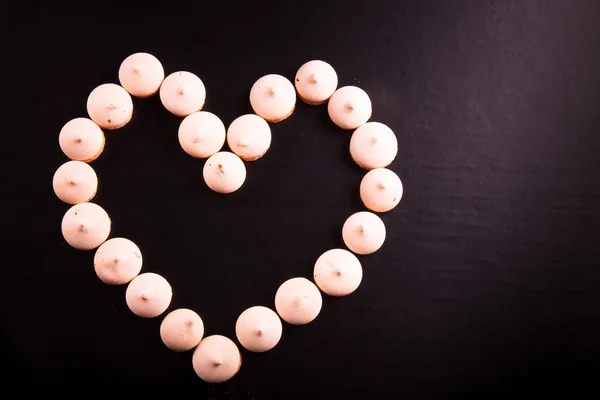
298 301
349 107
110 106
273 97
258 329
141 74
338 272
181 330
373 145
75 182
201 134
182 93
216 359
315 82
148 295
81 139
224 172
117 261
381 190
249 136
363 232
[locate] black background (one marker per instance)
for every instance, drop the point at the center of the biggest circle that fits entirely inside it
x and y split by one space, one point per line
488 282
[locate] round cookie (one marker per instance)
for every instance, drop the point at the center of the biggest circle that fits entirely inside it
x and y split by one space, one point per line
249 136
349 107
141 74
363 232
81 139
338 272
148 295
315 82
298 301
182 93
216 359
85 226
181 330
110 106
117 261
224 172
381 190
273 97
75 182
201 134
258 329
373 145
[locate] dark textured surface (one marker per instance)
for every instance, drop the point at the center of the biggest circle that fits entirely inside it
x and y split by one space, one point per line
488 282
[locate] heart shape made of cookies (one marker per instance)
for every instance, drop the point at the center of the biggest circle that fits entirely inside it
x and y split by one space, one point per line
202 135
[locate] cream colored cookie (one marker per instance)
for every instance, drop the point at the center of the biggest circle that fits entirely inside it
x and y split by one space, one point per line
273 97
315 82
141 74
85 226
148 295
182 93
117 261
75 182
81 139
181 330
249 136
224 172
258 329
363 232
381 190
338 272
298 301
110 106
216 359
373 145
201 134
349 107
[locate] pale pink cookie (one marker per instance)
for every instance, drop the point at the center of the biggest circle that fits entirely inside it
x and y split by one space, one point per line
338 272
216 359
182 93
75 182
117 261
249 136
298 301
224 172
141 74
315 82
373 145
181 330
81 139
381 190
201 134
85 226
363 232
110 106
273 97
148 295
258 329
349 107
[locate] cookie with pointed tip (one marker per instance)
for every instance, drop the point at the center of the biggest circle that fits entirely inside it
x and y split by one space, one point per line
349 107
181 330
258 329
85 226
373 145
110 106
315 82
148 295
337 272
117 261
273 97
81 139
381 190
224 172
75 182
141 74
182 93
216 359
298 301
363 232
201 134
249 136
